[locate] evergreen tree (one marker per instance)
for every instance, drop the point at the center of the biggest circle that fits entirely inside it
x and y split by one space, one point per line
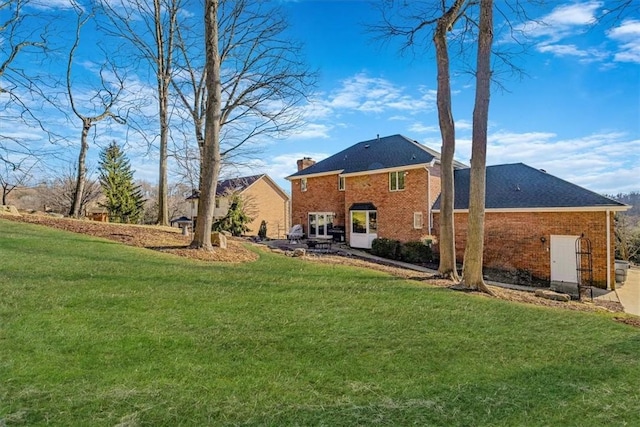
236 219
124 199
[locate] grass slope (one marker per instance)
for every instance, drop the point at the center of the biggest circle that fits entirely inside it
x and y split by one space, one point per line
96 333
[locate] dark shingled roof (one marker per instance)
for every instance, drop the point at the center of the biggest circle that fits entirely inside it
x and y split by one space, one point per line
520 186
230 186
380 153
234 185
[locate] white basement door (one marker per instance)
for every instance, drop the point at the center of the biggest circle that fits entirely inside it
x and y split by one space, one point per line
563 259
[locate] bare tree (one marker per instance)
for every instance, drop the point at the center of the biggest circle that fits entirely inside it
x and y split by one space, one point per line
213 119
14 174
255 79
473 255
456 21
17 38
263 78
151 28
24 34
61 191
107 97
440 19
617 11
627 237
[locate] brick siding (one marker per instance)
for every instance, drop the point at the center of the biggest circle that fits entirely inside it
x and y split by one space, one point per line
322 195
513 240
395 208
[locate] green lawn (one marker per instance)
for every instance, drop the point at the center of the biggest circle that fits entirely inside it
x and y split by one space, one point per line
95 333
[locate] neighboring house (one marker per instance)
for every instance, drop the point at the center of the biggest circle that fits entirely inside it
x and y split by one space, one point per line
388 187
263 200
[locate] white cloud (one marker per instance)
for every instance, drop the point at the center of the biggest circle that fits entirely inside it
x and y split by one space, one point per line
376 95
51 4
574 14
312 131
562 21
418 127
561 32
562 49
464 125
602 162
628 37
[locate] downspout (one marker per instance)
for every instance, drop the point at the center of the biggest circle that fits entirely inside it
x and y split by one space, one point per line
609 286
429 212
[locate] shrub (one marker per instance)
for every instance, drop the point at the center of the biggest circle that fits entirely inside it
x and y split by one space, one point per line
416 252
386 248
262 231
236 219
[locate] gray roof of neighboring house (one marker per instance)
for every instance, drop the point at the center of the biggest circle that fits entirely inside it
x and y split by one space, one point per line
235 185
520 186
380 153
232 185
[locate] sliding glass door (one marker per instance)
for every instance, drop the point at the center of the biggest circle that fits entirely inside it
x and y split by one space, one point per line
319 224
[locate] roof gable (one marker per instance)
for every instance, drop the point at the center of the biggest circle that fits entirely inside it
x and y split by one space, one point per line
518 186
381 153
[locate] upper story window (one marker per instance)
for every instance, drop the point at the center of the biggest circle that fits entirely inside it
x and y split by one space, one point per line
341 183
303 184
396 181
217 203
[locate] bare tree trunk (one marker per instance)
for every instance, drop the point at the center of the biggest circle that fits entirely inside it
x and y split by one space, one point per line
163 76
447 266
107 97
81 177
211 147
6 189
472 270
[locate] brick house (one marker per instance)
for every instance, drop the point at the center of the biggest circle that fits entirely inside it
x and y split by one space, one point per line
389 187
532 223
263 200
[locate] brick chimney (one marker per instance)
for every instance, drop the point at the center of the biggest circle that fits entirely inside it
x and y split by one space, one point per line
305 162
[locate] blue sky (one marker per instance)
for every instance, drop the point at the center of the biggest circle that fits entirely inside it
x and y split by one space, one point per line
576 112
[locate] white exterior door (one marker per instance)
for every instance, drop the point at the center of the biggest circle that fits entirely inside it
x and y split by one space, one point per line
563 259
364 229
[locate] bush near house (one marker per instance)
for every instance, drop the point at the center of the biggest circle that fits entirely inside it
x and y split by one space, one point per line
413 252
416 252
386 248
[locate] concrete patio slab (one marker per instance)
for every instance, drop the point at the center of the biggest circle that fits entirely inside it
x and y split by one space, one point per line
629 292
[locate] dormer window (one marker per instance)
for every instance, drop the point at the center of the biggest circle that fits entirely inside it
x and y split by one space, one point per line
396 180
340 183
303 184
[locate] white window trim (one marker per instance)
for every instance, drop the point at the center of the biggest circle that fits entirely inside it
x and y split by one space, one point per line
303 184
341 180
418 220
397 180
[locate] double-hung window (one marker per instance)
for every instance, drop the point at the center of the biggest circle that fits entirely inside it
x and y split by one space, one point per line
396 181
340 183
